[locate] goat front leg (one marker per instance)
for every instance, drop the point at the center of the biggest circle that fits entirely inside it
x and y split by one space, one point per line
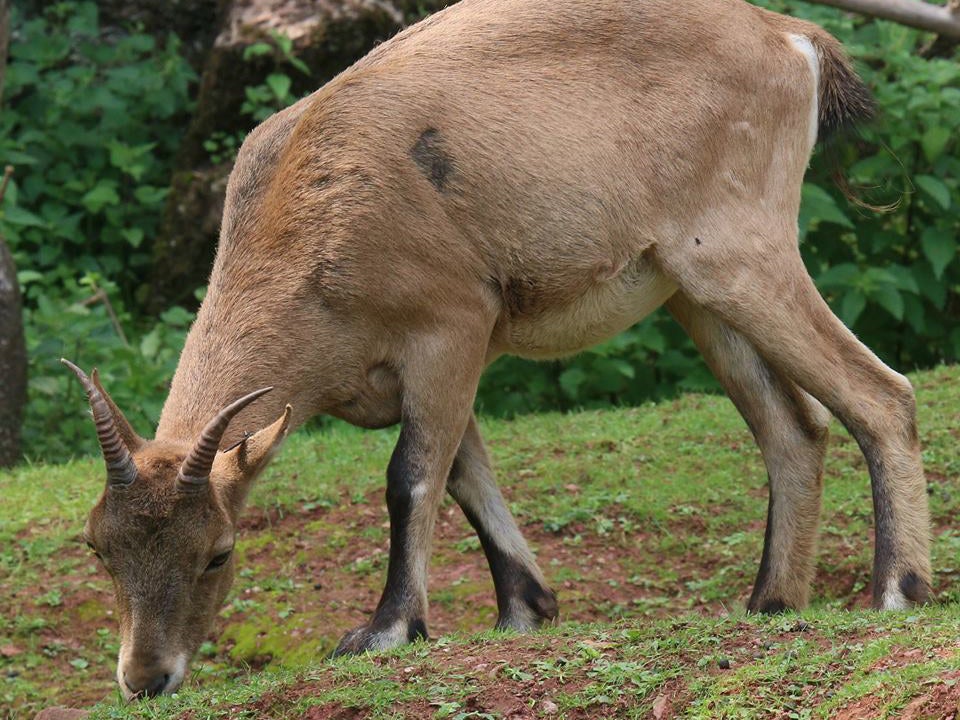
524 602
756 283
439 381
791 429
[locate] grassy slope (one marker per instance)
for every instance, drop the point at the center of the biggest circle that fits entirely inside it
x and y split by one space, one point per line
649 521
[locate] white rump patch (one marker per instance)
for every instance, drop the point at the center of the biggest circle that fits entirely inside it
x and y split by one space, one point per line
803 44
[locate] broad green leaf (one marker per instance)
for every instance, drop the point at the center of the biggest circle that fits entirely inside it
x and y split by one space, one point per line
935 188
177 315
150 195
890 299
817 205
852 306
939 247
134 236
934 141
28 276
18 216
915 313
279 85
841 275
103 194
623 367
150 344
904 279
256 50
570 380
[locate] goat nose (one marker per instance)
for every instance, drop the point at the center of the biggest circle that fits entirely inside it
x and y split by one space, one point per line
147 685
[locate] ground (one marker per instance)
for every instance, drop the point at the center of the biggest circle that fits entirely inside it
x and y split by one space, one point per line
648 522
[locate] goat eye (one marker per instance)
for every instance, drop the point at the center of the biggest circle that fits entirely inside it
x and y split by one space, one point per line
218 560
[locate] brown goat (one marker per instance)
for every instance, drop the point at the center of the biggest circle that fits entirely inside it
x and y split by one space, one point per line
507 176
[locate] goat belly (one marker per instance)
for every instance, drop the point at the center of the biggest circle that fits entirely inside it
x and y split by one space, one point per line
606 307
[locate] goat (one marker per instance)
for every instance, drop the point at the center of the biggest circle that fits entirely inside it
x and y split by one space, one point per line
507 176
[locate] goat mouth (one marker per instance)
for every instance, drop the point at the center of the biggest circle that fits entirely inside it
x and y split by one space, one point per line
165 683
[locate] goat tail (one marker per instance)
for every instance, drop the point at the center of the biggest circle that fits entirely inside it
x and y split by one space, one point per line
844 101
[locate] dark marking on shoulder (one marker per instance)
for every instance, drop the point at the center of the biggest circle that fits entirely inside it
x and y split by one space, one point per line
432 158
914 589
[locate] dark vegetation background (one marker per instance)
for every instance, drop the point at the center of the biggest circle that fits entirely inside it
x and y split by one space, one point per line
121 120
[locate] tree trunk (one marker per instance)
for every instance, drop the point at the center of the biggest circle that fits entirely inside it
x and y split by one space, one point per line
4 42
13 361
13 352
940 19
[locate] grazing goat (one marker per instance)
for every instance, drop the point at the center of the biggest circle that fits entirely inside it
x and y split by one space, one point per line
507 176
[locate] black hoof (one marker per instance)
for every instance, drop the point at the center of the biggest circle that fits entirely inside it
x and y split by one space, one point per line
374 636
915 589
768 607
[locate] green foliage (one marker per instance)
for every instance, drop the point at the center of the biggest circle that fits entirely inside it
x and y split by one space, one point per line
95 119
77 324
262 100
93 125
273 94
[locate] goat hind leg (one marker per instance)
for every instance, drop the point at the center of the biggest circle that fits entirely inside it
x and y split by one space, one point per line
791 429
524 601
758 285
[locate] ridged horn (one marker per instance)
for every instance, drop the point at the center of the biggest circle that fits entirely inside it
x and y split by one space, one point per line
121 470
130 438
195 470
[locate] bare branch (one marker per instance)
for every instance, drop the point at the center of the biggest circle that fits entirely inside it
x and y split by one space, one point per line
941 19
7 173
100 296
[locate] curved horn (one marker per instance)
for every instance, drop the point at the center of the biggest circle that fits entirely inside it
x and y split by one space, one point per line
195 471
121 470
129 436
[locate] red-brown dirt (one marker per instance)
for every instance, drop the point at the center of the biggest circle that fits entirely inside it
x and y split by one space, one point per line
596 582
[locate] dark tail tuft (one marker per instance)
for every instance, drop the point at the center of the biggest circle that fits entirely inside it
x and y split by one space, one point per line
844 100
844 103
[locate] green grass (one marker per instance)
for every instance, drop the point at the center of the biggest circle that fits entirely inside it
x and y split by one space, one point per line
649 522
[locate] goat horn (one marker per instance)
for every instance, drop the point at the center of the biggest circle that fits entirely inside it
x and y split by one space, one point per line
121 470
195 471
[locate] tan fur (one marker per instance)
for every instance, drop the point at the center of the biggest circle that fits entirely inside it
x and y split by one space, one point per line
526 177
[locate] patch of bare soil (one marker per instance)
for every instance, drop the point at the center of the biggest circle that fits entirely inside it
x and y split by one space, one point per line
940 700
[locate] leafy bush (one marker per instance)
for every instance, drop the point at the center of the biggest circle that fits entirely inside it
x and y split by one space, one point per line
93 125
82 323
95 121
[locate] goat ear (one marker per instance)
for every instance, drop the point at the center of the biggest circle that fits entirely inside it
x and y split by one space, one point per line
241 464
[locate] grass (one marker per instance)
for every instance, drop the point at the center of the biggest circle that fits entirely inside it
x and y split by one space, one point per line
648 521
